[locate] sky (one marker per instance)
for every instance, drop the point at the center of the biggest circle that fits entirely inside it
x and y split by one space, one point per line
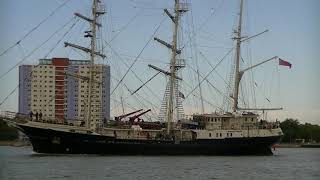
206 32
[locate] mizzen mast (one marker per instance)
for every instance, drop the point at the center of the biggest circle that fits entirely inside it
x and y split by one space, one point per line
239 73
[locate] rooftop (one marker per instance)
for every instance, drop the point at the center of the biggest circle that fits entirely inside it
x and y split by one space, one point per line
71 62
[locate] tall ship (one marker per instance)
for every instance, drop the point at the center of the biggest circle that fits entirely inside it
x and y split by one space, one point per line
239 132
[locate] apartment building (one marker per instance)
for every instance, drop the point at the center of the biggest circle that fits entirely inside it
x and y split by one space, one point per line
58 88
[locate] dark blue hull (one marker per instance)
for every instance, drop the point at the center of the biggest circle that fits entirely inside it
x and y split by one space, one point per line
50 141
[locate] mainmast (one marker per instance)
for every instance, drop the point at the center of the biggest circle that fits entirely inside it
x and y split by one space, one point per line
238 73
175 65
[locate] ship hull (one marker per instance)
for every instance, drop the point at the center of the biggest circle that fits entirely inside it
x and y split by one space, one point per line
59 142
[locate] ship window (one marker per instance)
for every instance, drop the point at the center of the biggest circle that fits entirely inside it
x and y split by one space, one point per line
209 134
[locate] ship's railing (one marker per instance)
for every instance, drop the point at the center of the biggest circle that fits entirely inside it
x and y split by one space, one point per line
57 121
27 117
246 126
268 125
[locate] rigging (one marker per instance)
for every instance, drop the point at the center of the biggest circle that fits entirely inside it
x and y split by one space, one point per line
33 29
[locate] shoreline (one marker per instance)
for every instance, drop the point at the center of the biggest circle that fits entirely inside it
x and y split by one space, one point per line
305 145
288 145
14 143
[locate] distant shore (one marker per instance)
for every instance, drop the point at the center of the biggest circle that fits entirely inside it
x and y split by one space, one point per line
15 143
305 145
288 145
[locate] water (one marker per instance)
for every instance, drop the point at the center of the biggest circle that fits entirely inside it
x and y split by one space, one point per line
287 163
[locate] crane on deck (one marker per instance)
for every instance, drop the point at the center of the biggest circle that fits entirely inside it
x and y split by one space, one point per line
133 118
118 118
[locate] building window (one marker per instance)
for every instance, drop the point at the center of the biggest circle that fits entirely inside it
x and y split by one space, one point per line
209 134
220 135
231 134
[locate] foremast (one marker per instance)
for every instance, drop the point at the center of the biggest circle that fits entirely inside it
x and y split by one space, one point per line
97 10
92 56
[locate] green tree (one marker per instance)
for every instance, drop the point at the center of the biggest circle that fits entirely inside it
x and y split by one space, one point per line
6 132
292 130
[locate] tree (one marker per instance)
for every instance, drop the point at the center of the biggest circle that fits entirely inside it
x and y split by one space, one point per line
292 130
6 132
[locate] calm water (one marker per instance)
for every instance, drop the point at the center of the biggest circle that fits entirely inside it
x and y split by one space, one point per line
295 163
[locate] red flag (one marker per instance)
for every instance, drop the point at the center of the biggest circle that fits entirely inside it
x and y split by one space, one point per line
284 63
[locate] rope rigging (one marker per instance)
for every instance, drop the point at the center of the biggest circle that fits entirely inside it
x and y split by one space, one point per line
25 57
211 71
154 107
155 95
33 29
136 59
37 48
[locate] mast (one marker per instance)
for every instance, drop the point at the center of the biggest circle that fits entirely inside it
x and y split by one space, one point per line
173 65
92 55
97 10
238 73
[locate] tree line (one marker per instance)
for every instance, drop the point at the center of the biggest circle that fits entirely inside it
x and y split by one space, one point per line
294 130
6 132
